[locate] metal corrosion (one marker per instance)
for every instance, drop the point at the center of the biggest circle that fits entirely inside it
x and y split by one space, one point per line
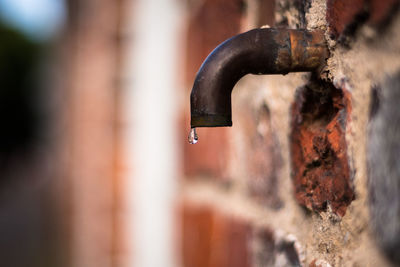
259 51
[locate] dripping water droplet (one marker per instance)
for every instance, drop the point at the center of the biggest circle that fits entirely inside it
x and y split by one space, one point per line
193 138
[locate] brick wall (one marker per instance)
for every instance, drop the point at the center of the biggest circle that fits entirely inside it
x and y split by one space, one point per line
307 175
89 156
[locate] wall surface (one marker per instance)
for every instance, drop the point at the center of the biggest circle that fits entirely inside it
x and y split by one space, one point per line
307 175
88 154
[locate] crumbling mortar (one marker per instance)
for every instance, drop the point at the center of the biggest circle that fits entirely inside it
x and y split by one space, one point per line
348 238
353 68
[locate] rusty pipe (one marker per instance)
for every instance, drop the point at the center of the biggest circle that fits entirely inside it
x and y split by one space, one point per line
259 51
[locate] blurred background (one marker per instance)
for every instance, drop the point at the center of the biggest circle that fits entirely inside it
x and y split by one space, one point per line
95 166
89 100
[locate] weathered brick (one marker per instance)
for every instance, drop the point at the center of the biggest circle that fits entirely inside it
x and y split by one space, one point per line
343 16
320 167
383 167
261 154
211 239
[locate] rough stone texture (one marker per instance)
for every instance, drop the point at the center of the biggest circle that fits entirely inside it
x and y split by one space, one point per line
316 17
327 238
319 263
362 65
320 165
383 165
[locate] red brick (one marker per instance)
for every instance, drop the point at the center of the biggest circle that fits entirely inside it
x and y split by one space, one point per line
261 155
209 157
211 239
230 242
196 236
380 10
320 167
237 243
343 15
265 13
210 23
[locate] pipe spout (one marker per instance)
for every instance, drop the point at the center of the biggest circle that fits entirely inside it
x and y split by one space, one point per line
259 51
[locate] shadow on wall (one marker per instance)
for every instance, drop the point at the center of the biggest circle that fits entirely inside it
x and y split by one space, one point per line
19 111
26 224
384 170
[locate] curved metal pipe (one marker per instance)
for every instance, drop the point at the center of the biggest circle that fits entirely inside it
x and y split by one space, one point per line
259 51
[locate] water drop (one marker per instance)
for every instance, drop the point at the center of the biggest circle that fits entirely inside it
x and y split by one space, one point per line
193 138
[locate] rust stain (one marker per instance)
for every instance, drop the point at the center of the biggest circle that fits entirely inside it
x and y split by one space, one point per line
308 49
